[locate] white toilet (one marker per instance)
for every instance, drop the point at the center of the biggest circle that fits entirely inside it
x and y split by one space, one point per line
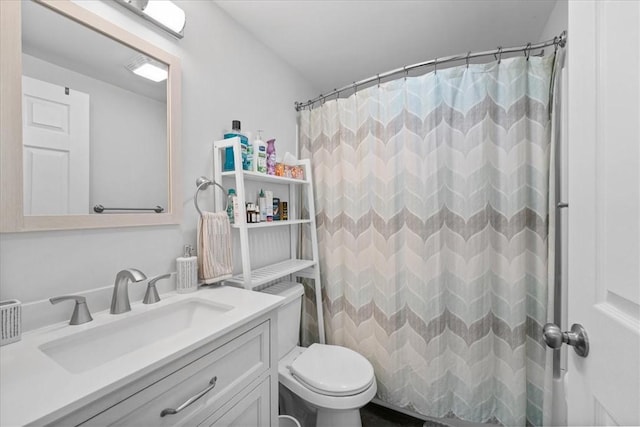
334 381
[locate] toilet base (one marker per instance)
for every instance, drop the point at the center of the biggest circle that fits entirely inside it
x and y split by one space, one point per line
311 416
332 418
291 404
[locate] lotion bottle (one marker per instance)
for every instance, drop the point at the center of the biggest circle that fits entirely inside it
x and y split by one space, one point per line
187 266
259 154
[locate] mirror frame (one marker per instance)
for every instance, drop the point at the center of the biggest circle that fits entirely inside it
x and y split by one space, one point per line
12 218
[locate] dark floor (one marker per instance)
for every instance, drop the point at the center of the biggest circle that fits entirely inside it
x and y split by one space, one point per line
378 416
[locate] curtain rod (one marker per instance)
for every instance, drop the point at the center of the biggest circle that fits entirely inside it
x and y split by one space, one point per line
558 41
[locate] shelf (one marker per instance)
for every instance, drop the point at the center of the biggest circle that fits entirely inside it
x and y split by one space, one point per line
263 177
272 272
272 223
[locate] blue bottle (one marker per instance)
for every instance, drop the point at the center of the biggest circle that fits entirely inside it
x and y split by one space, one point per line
229 163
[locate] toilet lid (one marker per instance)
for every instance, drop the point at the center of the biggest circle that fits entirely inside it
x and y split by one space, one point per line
333 370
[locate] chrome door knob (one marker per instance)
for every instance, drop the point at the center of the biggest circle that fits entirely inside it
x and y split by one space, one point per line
576 337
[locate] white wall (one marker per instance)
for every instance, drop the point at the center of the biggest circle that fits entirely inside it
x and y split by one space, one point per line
128 134
227 74
557 22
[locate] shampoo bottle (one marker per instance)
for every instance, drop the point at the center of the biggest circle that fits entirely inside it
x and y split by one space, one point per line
259 154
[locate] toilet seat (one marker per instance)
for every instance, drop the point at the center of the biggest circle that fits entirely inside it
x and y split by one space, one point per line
332 370
319 400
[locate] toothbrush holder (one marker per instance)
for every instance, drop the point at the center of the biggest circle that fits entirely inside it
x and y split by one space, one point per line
10 321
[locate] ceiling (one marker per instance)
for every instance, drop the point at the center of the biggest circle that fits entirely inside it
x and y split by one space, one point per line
333 43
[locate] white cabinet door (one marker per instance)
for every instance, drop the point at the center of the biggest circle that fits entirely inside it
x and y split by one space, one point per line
55 149
604 210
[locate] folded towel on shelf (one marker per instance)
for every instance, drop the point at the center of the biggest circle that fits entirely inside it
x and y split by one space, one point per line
214 247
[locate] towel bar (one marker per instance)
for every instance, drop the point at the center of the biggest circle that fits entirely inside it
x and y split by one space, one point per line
100 209
202 183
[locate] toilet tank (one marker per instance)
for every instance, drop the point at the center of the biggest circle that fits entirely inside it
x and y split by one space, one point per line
288 314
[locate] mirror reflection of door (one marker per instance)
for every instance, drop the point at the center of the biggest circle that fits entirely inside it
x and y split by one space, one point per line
55 149
127 147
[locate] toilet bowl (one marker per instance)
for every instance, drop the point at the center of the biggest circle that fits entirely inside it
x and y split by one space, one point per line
335 381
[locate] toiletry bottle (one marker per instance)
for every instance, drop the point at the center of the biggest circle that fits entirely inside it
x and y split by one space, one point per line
262 204
269 196
259 154
255 214
229 163
276 209
248 164
230 205
187 272
271 157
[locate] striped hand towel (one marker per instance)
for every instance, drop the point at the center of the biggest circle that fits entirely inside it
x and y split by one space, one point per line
214 247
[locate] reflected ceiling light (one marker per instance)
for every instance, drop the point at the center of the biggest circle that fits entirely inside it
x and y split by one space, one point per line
164 13
148 68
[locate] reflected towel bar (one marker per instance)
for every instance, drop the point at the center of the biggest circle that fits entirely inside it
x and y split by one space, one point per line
100 209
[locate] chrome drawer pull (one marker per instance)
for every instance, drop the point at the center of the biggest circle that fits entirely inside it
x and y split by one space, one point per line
171 411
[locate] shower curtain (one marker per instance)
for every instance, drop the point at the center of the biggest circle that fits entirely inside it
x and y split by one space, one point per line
432 201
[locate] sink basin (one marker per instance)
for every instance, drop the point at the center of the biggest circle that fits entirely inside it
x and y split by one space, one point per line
91 348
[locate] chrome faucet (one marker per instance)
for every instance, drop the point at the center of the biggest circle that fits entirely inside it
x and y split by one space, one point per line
81 312
120 300
151 296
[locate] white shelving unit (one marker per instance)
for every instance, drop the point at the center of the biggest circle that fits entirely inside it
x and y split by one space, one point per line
251 278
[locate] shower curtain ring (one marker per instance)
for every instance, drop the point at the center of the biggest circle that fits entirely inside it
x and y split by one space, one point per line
527 51
435 66
468 55
499 54
378 80
556 42
406 72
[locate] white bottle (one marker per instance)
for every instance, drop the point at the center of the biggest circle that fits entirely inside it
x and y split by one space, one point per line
259 154
262 205
187 267
269 196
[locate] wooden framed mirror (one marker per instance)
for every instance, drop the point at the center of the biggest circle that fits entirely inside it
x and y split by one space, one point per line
80 127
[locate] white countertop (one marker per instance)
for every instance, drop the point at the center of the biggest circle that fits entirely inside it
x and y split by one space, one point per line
35 389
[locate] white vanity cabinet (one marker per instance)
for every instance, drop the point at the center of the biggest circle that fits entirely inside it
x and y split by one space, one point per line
232 381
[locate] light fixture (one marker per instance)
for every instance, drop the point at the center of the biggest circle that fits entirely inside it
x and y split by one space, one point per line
164 13
148 68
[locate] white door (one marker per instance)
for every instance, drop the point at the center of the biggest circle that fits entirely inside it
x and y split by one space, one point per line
604 210
55 149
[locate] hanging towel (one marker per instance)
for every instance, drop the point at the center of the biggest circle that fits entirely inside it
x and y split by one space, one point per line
214 247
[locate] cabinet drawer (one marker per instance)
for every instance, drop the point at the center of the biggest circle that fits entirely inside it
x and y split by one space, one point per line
248 409
234 365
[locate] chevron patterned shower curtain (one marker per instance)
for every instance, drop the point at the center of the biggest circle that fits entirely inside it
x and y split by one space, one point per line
432 200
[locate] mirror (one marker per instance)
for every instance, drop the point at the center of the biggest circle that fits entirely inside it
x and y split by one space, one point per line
97 142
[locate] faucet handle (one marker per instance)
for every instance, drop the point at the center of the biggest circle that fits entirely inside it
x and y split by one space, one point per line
151 296
81 312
